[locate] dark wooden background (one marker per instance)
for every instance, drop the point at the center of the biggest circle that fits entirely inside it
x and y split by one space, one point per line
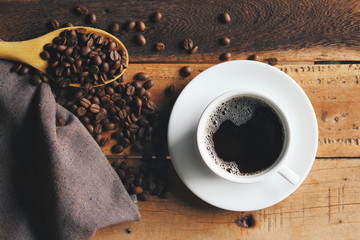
285 29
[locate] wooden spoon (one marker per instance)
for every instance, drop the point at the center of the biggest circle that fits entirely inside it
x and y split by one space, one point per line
29 51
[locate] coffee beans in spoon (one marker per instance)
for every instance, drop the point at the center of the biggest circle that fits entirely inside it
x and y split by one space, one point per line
80 57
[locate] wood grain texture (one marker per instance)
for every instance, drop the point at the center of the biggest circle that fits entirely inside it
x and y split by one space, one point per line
332 89
325 206
289 30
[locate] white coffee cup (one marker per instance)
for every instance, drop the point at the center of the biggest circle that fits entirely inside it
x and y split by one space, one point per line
278 167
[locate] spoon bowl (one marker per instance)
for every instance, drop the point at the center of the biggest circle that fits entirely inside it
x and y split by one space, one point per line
29 51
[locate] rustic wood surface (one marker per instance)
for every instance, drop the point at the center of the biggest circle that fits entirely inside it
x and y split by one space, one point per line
297 33
289 30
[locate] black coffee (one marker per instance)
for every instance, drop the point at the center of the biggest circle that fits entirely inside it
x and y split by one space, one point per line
245 136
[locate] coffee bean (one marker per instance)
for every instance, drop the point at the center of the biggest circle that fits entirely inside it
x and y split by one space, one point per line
90 128
164 194
81 10
114 28
54 24
194 50
24 70
225 56
117 149
225 17
45 55
141 76
140 40
81 111
117 135
148 84
121 172
137 190
188 44
225 41
130 90
253 57
109 126
272 61
68 24
98 128
16 67
170 90
140 91
185 71
140 26
159 46
125 142
130 25
104 141
156 17
143 197
36 80
85 102
91 18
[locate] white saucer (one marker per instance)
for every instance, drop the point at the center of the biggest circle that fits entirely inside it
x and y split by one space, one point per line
199 93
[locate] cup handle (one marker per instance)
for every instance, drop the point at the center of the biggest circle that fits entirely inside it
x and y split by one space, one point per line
289 175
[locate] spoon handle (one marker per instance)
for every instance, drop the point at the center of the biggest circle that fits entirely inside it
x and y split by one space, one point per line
23 51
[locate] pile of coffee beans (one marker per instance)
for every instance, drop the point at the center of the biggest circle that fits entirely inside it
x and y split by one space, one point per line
126 108
150 179
80 57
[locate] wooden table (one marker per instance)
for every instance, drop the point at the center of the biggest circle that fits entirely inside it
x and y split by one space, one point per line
300 34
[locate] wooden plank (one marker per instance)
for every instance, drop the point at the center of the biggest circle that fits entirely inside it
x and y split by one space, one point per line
287 30
325 206
332 89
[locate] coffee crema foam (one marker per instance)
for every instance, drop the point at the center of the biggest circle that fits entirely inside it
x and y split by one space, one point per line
238 110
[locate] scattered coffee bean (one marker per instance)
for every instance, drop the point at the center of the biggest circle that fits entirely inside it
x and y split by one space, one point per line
148 84
24 70
143 196
128 230
188 44
185 71
272 61
68 24
104 141
170 90
156 17
45 55
164 194
130 25
117 149
225 17
81 10
36 80
194 50
60 122
85 102
81 111
91 18
16 67
138 190
225 41
140 26
94 108
140 40
141 76
160 46
225 56
114 28
54 24
253 57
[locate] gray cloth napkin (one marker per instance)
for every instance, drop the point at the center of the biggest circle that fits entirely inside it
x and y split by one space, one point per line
55 182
